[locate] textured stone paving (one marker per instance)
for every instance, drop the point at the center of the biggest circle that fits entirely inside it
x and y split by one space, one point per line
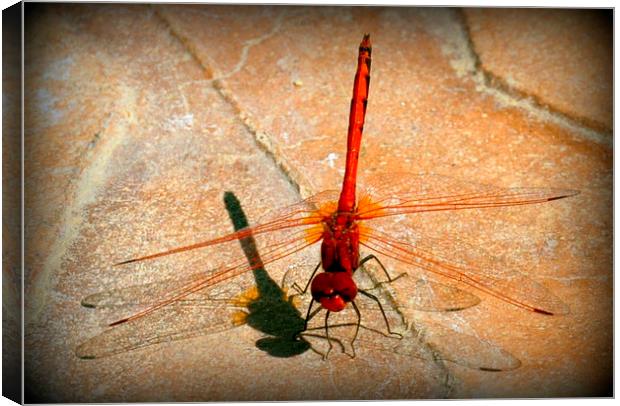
140 118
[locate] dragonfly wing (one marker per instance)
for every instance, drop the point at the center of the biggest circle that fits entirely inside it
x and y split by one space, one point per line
433 296
259 251
429 340
201 313
306 209
426 295
468 265
150 294
302 215
429 192
173 323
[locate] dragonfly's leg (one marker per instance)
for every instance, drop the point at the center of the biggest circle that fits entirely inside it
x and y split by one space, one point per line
309 315
357 327
298 289
371 257
387 323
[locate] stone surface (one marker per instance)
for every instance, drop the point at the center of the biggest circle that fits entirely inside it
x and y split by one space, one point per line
561 58
138 119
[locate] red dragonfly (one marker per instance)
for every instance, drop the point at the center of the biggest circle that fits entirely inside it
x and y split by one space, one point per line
343 223
217 310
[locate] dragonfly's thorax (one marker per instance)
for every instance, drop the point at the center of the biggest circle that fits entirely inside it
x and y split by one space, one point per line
334 288
340 247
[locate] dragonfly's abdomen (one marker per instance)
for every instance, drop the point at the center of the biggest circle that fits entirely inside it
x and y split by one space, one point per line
357 113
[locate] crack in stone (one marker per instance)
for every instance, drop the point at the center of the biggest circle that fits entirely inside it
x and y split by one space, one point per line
396 307
249 44
466 62
187 44
209 67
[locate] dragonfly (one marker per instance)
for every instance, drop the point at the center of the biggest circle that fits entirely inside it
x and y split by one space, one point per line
269 308
343 222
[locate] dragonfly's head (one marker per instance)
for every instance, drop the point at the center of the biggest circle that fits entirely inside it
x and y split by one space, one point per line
333 290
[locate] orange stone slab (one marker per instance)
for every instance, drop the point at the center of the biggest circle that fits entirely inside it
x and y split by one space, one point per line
142 117
166 152
561 58
424 115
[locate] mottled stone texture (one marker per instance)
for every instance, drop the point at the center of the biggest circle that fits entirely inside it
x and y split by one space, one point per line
140 118
561 58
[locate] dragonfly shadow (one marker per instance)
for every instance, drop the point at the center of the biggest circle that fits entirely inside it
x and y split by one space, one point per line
271 312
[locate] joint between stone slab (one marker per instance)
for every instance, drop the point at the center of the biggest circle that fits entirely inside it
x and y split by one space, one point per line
265 143
411 324
449 381
189 47
499 88
261 138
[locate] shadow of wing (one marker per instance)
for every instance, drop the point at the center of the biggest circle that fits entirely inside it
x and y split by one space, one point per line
463 349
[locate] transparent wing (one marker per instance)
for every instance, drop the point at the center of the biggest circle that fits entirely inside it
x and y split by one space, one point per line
205 313
409 193
288 231
304 210
270 252
467 265
150 293
422 339
428 341
263 306
425 295
175 322
303 214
